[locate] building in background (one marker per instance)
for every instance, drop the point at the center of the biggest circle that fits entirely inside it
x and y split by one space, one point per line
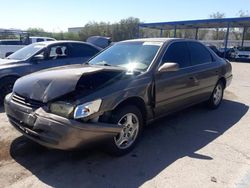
75 29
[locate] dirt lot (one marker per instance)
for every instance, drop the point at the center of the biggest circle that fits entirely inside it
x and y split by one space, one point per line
193 148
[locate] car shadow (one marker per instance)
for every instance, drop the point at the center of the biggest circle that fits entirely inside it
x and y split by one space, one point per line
164 142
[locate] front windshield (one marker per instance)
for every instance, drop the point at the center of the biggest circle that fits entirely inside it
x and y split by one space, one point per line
26 52
131 55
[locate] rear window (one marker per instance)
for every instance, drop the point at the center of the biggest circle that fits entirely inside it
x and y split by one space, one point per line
199 54
82 50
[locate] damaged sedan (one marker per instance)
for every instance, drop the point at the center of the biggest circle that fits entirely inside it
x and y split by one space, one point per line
111 98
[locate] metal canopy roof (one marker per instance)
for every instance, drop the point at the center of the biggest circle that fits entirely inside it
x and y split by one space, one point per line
206 23
14 31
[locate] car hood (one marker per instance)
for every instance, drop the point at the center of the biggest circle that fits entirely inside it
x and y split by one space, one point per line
8 61
45 86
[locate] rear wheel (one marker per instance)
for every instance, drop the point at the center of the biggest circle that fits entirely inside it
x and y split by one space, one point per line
131 121
217 96
6 87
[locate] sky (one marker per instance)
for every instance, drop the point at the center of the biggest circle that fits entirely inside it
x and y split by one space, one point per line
58 15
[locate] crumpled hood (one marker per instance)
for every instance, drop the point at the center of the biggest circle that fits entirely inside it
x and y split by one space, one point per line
47 85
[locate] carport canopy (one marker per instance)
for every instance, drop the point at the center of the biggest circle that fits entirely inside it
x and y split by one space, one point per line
242 22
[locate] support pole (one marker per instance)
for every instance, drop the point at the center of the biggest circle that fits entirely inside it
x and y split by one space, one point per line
226 40
174 31
161 33
196 33
138 35
243 36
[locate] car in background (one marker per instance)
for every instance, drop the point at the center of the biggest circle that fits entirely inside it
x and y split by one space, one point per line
227 53
215 49
13 40
110 98
241 53
39 56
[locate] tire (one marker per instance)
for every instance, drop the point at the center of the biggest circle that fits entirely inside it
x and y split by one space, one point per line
217 96
6 87
132 130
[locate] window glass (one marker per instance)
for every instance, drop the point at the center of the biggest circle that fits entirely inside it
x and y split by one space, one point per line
199 54
39 40
177 53
58 51
130 55
26 52
82 50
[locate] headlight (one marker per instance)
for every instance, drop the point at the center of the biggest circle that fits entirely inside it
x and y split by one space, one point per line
62 109
87 109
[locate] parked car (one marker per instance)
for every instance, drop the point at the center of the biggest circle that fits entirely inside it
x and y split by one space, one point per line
9 46
241 53
111 98
215 49
228 54
42 55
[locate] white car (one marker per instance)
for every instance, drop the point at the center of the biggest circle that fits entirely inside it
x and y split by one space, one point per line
8 47
241 53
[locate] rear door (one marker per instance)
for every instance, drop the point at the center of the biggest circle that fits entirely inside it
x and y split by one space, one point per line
173 90
205 70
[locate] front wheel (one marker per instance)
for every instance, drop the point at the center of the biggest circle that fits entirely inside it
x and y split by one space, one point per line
217 96
131 121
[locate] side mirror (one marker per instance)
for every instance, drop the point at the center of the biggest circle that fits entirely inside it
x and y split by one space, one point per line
169 67
37 58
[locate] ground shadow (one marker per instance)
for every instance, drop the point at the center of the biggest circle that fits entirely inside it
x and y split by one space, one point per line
164 142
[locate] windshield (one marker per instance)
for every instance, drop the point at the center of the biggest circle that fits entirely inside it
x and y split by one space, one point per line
26 52
131 55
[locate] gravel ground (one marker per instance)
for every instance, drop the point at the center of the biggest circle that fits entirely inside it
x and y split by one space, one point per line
193 148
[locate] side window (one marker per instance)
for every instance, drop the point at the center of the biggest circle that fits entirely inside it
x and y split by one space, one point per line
199 54
83 50
58 51
39 40
177 52
49 40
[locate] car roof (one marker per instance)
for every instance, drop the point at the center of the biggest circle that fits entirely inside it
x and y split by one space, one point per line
47 43
34 37
163 40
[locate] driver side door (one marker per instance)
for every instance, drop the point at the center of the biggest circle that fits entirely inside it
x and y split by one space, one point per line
173 89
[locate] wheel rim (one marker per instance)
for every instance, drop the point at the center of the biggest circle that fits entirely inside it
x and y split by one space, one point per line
128 134
217 94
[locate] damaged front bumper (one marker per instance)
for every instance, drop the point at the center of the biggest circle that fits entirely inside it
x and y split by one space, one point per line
55 131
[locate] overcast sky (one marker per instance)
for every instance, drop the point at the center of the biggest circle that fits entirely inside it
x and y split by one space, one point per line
58 15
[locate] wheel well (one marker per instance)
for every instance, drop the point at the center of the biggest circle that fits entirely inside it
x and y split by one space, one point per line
7 77
223 80
136 101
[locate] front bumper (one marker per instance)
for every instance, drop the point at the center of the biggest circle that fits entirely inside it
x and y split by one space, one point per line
229 80
54 131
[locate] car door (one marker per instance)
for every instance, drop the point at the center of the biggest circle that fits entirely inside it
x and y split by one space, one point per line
53 56
173 90
205 70
81 52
